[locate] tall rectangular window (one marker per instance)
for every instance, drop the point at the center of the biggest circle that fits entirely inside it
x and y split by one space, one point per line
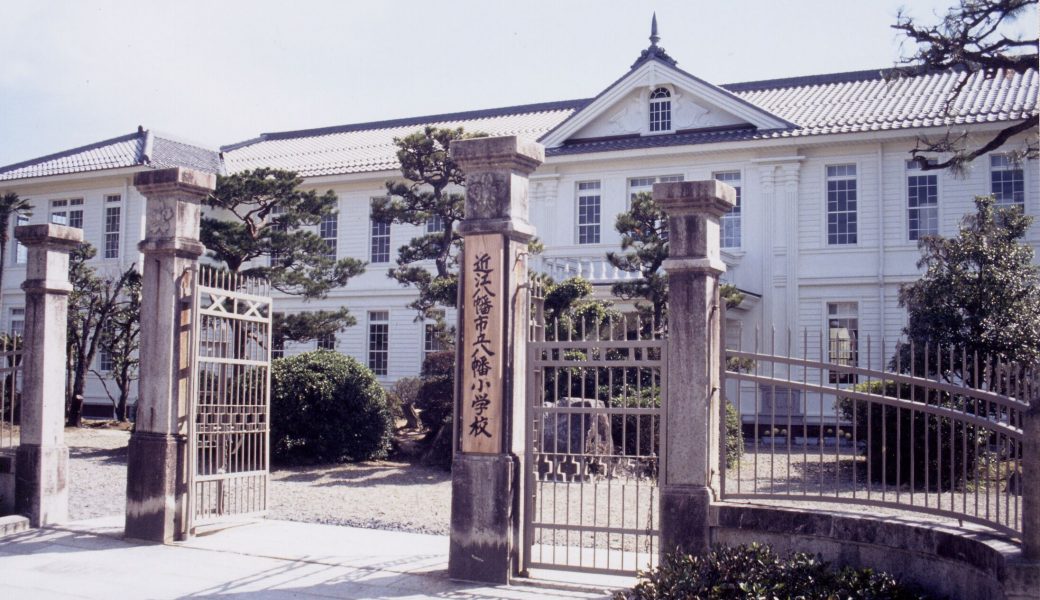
660 110
276 210
1007 180
67 212
112 226
21 253
16 322
379 242
922 197
730 222
277 339
379 341
588 212
328 229
843 338
435 224
841 204
431 340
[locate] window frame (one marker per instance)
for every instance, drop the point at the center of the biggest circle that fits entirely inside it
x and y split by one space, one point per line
378 318
431 343
737 209
372 257
20 256
326 342
1022 174
597 227
912 170
668 110
331 239
16 314
109 233
827 178
834 378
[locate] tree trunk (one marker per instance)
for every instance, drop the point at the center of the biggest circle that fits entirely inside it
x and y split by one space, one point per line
79 383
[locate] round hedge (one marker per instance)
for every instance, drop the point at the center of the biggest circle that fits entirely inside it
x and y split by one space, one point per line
326 407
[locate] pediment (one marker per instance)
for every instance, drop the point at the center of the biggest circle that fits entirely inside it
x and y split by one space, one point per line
623 109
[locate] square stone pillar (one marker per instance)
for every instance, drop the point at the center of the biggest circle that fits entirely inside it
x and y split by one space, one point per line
42 460
490 359
690 430
156 485
1031 482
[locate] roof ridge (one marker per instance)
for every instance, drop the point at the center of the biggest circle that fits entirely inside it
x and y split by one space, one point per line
71 151
839 77
418 120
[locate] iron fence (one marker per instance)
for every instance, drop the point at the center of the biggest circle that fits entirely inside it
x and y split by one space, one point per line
923 428
10 389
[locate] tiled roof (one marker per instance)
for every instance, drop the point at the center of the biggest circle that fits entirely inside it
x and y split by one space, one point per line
141 148
857 102
370 146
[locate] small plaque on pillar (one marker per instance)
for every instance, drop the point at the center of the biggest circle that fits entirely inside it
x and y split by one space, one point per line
483 342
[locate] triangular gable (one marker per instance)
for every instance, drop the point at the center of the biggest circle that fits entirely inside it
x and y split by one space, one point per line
622 109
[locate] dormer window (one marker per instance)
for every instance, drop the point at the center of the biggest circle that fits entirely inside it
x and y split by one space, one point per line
660 110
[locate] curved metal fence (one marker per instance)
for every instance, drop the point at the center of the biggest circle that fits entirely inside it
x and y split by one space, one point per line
838 419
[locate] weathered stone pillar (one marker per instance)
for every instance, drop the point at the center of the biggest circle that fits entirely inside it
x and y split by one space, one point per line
490 397
156 472
42 461
1031 482
692 396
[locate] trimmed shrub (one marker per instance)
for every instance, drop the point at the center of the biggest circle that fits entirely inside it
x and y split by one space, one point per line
436 395
756 571
404 392
327 407
734 436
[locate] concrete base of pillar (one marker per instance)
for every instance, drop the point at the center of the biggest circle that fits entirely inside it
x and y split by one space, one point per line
41 483
155 489
685 518
482 518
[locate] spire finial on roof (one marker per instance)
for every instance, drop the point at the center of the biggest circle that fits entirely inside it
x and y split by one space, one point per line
654 51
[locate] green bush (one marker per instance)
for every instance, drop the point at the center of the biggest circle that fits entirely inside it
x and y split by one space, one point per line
405 391
752 572
435 397
327 407
896 442
734 436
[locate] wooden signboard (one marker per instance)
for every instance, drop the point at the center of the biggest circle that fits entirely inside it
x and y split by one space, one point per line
483 343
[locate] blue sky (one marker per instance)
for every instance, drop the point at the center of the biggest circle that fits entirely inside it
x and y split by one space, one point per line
219 72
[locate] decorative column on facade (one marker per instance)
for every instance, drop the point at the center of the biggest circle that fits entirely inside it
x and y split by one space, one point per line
787 178
156 470
490 358
42 461
691 409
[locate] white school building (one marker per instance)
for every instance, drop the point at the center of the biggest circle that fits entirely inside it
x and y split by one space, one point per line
824 233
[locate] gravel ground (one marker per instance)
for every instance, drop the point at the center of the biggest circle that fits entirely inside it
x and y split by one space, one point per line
382 495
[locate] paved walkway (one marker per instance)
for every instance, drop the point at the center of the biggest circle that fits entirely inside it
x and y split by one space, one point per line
258 559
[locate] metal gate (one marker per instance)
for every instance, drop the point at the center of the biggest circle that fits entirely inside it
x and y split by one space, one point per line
593 430
229 423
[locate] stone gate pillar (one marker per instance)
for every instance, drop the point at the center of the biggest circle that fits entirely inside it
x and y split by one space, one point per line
691 401
42 460
156 472
490 396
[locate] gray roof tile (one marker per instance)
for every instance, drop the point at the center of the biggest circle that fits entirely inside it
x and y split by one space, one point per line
141 148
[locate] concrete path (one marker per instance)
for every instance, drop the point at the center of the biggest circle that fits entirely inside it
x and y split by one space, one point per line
258 559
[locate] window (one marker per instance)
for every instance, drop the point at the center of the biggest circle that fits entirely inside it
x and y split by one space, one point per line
277 337
379 245
64 212
327 341
21 253
276 210
660 110
328 229
112 217
922 197
841 204
105 361
432 341
435 224
842 338
638 185
1007 180
730 222
588 212
378 341
16 323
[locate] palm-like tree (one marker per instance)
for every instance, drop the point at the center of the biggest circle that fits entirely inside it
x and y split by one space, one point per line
11 206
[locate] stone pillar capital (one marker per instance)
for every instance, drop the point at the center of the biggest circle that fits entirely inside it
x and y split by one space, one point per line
49 236
174 198
47 264
709 197
496 171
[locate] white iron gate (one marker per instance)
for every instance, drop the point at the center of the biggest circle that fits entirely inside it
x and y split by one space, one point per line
229 427
593 431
